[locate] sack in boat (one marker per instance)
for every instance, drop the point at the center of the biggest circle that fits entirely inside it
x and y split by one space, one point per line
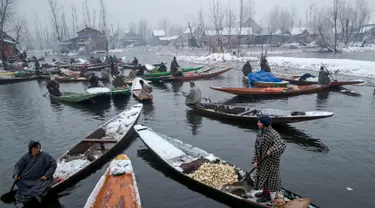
296 203
193 166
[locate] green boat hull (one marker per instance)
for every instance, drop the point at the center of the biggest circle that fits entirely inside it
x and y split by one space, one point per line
70 97
159 74
157 79
119 91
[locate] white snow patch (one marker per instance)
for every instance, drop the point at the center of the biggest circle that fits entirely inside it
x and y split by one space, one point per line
116 50
342 66
216 57
66 169
359 49
119 167
349 189
98 90
94 194
211 158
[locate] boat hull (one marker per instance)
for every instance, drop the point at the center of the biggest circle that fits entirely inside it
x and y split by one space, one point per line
196 76
271 84
292 80
158 74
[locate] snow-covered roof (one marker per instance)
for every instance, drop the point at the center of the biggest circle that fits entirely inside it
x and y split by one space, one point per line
158 33
297 30
230 31
169 38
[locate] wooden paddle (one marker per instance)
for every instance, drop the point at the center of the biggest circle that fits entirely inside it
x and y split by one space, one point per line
252 170
45 94
9 197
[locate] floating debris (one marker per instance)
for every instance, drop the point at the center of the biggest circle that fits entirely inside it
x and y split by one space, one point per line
349 189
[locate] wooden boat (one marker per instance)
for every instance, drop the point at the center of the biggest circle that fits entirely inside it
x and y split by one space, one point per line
245 80
195 76
120 91
101 93
74 79
127 66
12 79
71 97
176 156
96 149
295 80
117 187
279 91
238 113
157 79
158 74
137 91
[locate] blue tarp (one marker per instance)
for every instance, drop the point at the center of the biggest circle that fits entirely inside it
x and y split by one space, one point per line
262 76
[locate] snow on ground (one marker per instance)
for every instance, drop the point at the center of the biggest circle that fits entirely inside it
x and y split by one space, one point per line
216 57
344 66
359 49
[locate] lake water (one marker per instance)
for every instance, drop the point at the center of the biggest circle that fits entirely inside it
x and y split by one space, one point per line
322 158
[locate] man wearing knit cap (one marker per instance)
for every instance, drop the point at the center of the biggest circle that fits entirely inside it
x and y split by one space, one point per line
268 146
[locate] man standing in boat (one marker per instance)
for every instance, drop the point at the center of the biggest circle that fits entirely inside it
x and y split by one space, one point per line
174 70
268 148
135 61
246 69
34 174
264 65
53 87
323 78
194 96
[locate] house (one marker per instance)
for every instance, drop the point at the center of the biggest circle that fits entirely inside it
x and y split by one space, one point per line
156 35
250 23
229 35
169 40
88 38
131 38
9 45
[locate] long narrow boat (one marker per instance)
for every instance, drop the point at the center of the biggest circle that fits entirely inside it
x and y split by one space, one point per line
74 79
70 97
12 79
196 76
295 80
279 91
121 91
157 79
137 91
245 80
117 187
96 149
183 158
158 74
238 113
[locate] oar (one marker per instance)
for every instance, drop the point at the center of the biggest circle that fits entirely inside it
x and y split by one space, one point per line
9 197
45 94
328 72
252 170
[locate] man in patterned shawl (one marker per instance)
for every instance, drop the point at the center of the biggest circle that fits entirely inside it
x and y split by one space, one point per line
268 146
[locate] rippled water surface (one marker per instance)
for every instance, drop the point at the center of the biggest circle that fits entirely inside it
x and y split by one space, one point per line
322 158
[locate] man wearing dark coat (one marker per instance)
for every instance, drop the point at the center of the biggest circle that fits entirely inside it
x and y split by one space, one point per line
246 69
174 67
264 65
268 146
162 67
135 61
37 174
94 81
53 87
323 77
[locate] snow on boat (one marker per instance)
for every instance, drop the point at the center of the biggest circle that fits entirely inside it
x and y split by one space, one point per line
117 187
273 91
195 76
238 113
314 80
183 160
137 91
158 74
71 97
96 149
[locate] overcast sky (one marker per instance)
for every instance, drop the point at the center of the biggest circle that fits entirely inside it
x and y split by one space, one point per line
176 11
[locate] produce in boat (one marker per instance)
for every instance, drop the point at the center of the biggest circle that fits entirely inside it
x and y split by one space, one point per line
208 173
158 74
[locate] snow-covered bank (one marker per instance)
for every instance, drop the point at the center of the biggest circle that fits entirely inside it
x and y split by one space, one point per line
215 57
359 49
340 66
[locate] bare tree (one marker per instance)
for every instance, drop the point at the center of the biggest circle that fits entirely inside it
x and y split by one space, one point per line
335 16
164 24
114 36
285 21
241 18
201 25
94 19
55 17
230 23
217 17
364 16
74 20
64 26
87 14
103 20
273 22
6 12
142 29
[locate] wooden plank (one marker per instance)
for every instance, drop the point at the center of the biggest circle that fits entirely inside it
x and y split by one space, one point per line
100 140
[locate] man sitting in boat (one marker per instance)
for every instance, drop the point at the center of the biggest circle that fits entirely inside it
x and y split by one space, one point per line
146 88
162 67
141 70
135 61
194 96
323 78
119 81
133 73
37 68
53 87
174 68
268 148
246 69
83 72
94 81
34 174
114 69
264 65
105 74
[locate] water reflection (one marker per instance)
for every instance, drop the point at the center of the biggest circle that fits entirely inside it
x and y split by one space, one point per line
96 108
48 203
120 102
161 85
148 111
322 100
194 120
242 99
289 133
176 86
